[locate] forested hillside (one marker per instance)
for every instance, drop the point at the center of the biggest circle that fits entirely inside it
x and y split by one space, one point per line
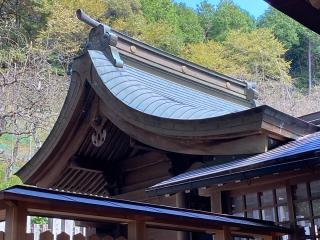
38 39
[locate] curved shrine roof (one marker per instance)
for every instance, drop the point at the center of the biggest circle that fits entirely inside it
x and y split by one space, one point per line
124 92
158 96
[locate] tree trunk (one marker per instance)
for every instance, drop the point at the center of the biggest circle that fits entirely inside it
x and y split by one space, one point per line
36 139
13 160
309 68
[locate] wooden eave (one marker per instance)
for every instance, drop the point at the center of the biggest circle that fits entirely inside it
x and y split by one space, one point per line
304 11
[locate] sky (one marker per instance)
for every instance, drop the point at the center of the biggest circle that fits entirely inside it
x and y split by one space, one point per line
255 7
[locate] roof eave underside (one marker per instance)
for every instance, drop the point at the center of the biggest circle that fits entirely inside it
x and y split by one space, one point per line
304 11
299 154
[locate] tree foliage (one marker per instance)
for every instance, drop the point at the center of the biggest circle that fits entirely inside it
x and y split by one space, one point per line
122 9
260 53
64 33
206 12
30 16
189 24
296 39
212 55
161 10
283 27
228 17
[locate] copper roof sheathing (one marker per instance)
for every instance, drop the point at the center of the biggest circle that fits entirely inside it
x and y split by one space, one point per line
157 96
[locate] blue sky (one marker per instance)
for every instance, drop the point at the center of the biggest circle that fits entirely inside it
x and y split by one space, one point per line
254 7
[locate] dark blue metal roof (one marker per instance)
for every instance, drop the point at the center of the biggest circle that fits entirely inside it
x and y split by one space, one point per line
283 158
25 193
157 96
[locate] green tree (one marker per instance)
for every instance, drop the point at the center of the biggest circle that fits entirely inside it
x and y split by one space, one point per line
228 17
282 26
164 28
205 13
163 36
189 24
212 54
159 10
65 33
308 57
27 15
302 44
116 9
260 53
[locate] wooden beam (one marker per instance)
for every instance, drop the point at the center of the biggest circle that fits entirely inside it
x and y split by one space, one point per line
137 230
16 221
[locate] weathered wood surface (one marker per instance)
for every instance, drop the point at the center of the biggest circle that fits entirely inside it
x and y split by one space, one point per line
107 238
30 236
137 231
1 235
63 236
121 238
93 237
47 235
16 222
79 236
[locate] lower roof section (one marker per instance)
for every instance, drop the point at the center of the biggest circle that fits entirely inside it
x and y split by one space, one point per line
39 200
297 154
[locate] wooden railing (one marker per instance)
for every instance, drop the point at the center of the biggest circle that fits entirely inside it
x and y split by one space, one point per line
47 235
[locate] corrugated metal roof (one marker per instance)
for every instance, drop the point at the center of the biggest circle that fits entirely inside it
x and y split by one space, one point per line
276 157
136 207
157 96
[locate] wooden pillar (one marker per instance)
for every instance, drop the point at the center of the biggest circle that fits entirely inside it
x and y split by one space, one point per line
216 202
181 203
16 222
291 213
216 207
224 234
137 230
